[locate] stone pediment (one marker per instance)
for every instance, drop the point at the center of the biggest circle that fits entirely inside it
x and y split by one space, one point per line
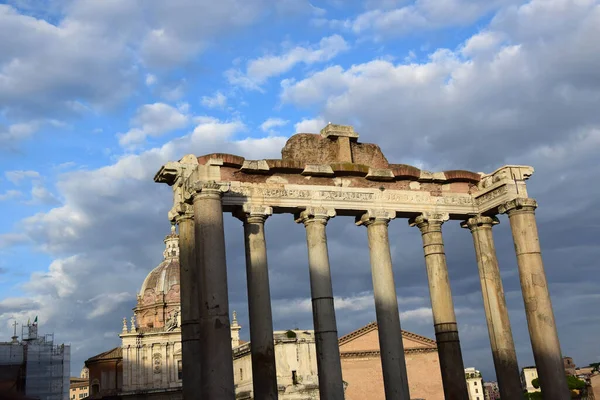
366 339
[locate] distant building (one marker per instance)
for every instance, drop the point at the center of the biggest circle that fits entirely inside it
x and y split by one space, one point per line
491 391
361 365
474 384
34 367
569 365
295 361
528 374
105 374
79 388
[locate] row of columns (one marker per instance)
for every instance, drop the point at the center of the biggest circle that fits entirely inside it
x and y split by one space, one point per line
205 331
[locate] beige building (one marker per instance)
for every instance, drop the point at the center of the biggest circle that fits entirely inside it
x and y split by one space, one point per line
295 361
528 374
78 388
474 384
363 375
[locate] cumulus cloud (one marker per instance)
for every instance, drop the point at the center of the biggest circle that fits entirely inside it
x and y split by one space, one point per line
259 70
153 120
10 194
309 125
17 176
389 18
45 68
271 123
218 100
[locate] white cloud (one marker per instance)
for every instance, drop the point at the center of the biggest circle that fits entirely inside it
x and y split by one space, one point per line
271 123
218 100
109 40
512 83
10 194
385 18
150 79
153 120
259 70
41 195
17 176
310 125
16 132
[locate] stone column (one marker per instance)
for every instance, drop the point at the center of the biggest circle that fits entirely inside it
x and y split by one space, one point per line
442 306
494 304
538 307
264 375
326 338
190 316
386 304
215 337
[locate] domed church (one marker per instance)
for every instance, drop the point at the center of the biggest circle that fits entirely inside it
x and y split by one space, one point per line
152 343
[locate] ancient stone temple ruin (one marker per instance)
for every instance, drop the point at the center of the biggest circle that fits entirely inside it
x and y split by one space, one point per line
332 174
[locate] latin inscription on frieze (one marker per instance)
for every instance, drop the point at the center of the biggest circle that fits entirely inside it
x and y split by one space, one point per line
491 195
349 195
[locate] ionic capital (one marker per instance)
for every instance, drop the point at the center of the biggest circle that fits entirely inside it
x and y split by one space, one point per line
376 217
429 221
519 204
203 189
479 221
314 214
253 213
181 212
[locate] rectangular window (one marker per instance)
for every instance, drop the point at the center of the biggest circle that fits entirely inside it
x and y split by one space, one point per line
179 370
476 391
241 374
475 383
294 378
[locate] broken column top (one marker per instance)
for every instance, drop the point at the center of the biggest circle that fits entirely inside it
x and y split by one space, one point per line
332 130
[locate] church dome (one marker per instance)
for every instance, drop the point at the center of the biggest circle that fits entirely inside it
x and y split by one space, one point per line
159 294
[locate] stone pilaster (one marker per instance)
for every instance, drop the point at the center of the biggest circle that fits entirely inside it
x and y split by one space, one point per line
538 306
393 363
215 336
496 312
264 374
442 306
326 337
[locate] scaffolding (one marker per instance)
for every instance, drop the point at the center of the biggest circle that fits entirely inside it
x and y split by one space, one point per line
44 368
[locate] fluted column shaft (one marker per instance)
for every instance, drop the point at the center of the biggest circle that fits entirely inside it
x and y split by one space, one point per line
538 306
442 306
326 336
393 363
496 312
215 334
264 375
190 316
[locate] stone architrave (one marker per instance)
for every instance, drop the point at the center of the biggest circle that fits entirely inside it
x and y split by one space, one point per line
326 338
538 306
442 306
494 304
395 378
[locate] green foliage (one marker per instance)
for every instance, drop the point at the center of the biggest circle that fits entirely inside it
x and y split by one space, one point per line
536 383
533 396
291 334
575 383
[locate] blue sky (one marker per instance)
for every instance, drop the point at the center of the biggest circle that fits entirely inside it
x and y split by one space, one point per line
96 95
